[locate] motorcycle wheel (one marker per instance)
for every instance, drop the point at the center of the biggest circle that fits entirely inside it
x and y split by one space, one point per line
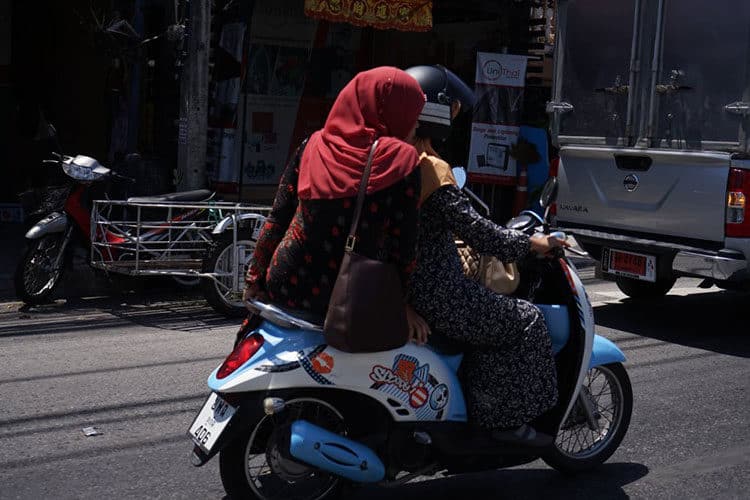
579 448
219 292
256 465
37 275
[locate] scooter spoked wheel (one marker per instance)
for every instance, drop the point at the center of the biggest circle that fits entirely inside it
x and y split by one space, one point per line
219 292
40 269
578 447
257 465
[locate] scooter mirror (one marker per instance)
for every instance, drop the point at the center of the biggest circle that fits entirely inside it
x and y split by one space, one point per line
459 173
520 222
549 192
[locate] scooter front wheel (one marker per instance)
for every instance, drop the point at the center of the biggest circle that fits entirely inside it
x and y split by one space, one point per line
597 423
258 465
40 269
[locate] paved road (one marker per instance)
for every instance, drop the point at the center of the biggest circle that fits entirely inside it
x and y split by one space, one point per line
136 372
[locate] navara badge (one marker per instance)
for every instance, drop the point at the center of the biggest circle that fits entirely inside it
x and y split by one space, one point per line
630 183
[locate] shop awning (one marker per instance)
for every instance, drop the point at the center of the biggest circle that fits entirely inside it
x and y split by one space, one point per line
404 15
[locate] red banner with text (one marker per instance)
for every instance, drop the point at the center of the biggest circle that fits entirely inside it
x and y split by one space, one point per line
404 15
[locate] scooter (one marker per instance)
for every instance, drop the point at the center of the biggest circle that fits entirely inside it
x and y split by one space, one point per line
291 417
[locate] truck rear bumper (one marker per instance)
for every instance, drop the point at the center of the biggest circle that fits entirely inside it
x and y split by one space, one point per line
717 264
710 266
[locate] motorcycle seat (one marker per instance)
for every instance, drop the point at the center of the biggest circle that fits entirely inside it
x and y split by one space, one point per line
196 195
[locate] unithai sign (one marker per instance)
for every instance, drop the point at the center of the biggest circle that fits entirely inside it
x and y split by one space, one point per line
499 84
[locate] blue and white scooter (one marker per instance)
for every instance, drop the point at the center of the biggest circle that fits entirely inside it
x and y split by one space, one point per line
291 417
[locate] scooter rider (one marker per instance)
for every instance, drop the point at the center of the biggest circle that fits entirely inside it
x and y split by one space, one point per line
508 371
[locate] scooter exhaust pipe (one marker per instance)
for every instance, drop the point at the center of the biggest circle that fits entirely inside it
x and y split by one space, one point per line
336 454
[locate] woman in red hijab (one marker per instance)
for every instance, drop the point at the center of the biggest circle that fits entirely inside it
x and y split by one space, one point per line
300 248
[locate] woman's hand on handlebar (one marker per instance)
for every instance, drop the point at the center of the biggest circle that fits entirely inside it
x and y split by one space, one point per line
544 244
419 331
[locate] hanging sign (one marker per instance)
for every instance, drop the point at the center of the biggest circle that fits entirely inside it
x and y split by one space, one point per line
404 15
499 84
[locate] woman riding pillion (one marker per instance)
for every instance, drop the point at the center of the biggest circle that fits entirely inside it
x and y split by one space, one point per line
301 245
508 372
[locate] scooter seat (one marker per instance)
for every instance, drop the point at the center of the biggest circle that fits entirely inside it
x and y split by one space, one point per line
196 195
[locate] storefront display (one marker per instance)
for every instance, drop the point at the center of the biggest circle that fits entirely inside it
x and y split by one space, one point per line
299 54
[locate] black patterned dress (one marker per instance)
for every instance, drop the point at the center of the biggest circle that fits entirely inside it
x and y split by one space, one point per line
508 372
300 248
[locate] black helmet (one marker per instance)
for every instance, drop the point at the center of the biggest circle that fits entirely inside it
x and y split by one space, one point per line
442 87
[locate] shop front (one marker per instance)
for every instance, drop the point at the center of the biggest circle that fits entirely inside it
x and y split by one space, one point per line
280 64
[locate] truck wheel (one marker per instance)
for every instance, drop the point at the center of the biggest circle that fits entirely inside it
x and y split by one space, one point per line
638 289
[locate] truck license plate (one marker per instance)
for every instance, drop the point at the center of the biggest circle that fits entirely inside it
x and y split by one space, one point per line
211 422
629 264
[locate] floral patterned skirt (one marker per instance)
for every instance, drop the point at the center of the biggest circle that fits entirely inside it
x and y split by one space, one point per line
508 372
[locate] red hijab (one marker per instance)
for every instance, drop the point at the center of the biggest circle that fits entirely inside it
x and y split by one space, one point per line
380 103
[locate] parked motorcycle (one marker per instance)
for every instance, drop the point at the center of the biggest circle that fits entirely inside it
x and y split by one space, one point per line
291 417
67 218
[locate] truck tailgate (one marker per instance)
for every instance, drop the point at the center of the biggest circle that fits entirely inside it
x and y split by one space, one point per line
658 192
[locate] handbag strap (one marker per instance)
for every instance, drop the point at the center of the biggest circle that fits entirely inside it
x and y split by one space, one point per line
351 240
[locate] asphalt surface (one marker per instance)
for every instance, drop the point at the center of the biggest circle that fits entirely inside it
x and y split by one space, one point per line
136 372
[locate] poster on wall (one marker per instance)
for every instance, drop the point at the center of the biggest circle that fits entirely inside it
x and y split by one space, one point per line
254 117
499 85
281 38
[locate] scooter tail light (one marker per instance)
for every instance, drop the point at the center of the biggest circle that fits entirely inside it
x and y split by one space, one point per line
738 192
245 350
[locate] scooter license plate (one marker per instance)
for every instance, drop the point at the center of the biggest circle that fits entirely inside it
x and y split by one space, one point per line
629 264
211 422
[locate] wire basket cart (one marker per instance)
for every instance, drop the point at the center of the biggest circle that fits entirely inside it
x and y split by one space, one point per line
208 243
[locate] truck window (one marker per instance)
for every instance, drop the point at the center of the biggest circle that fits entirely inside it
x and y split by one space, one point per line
596 68
705 66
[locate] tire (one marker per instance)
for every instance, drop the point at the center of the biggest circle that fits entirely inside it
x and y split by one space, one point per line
564 457
218 292
637 289
261 445
36 275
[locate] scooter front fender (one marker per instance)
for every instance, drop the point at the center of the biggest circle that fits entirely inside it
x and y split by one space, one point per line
56 222
605 352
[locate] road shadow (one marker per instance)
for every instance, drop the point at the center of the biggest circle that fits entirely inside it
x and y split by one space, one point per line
606 481
712 321
180 311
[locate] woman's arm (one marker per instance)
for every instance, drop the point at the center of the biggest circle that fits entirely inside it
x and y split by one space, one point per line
405 226
284 207
479 233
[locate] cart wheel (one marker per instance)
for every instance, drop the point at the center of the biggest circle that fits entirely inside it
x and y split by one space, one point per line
219 290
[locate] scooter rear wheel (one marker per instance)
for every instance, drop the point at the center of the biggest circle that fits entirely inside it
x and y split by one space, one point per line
578 447
40 269
257 465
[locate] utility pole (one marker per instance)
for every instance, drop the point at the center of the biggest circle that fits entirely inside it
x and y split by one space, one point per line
192 136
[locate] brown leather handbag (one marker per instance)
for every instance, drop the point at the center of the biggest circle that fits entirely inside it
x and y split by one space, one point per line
367 311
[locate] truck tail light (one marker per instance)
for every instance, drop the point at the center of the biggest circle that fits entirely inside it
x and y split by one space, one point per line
738 192
245 350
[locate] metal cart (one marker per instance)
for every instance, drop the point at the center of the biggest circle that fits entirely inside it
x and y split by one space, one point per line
207 243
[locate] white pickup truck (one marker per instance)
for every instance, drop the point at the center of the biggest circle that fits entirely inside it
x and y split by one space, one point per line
651 112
